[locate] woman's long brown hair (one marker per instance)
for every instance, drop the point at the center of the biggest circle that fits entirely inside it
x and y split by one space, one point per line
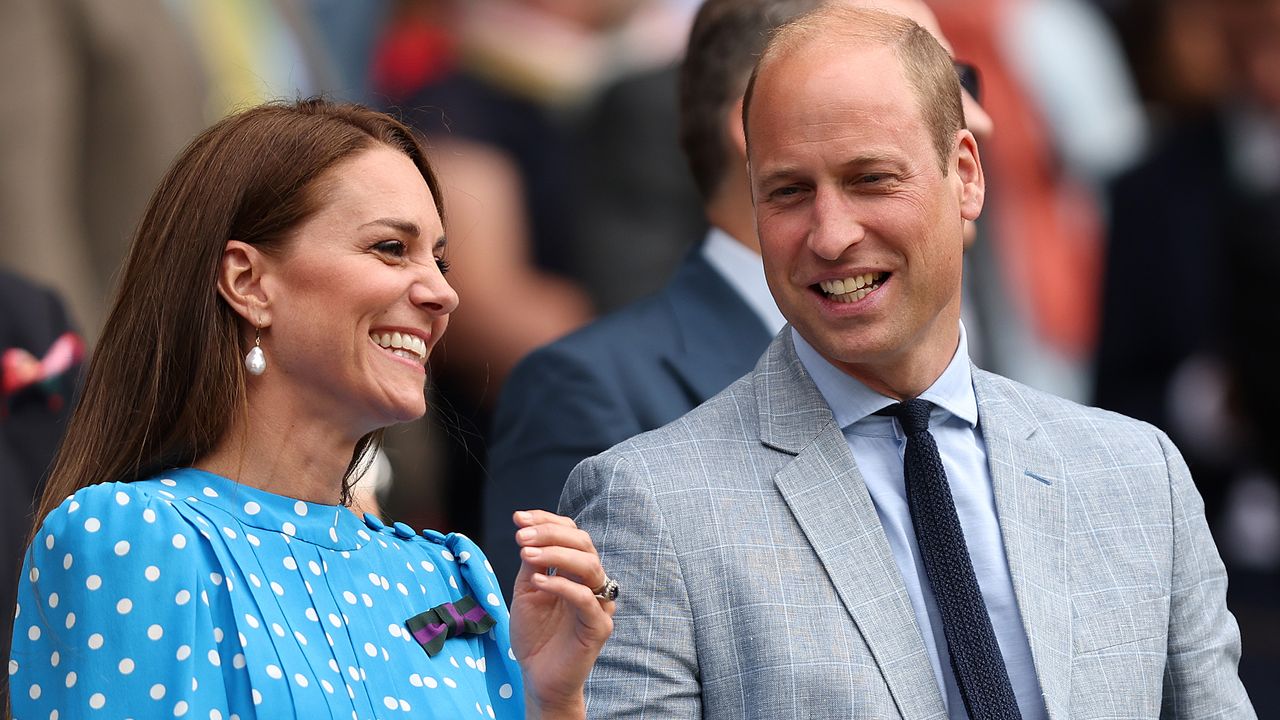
167 375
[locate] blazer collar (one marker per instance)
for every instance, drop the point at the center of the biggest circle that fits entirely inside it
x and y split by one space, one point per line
792 409
1030 481
829 499
719 336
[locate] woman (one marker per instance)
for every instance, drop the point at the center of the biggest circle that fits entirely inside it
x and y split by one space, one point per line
277 308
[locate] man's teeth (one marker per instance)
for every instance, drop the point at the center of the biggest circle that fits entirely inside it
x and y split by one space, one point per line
404 345
852 289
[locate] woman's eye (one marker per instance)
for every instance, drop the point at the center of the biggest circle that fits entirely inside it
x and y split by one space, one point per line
443 264
392 248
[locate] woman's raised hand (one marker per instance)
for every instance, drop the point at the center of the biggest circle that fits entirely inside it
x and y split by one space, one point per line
558 622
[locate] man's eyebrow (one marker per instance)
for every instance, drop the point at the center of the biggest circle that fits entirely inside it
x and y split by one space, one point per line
775 176
858 161
408 228
872 158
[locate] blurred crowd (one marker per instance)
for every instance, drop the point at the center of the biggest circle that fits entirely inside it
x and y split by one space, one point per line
1124 259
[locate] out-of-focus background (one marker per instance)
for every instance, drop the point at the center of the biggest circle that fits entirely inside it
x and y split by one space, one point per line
1128 257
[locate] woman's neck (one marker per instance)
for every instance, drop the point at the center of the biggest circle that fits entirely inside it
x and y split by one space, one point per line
288 456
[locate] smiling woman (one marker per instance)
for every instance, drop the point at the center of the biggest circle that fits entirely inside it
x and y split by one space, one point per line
280 301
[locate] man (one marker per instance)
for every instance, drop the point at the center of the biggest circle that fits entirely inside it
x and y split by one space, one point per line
1039 559
40 360
652 362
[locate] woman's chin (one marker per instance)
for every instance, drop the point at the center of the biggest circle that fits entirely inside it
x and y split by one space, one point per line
394 411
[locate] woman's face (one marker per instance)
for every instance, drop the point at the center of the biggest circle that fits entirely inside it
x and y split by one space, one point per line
358 297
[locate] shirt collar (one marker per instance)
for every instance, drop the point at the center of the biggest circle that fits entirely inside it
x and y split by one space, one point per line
743 270
851 401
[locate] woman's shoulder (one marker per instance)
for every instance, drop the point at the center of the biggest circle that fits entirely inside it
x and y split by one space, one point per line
115 518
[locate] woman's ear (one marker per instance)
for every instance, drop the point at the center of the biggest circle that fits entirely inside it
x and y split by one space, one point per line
240 282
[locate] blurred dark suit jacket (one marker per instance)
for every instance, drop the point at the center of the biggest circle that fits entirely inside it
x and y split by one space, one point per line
31 318
629 372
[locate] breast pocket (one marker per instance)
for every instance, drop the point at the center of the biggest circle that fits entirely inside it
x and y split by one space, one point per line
1116 626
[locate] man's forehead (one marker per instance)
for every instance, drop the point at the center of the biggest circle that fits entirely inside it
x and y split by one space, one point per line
818 64
828 91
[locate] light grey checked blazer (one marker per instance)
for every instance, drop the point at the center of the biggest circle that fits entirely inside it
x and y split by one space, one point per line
757 581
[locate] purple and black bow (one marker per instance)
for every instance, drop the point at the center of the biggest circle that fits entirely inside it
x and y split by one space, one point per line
441 622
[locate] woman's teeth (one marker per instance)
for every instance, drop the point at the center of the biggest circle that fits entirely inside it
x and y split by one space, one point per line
852 289
402 344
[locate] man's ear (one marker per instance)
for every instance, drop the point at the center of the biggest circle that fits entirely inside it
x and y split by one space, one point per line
968 169
733 129
240 282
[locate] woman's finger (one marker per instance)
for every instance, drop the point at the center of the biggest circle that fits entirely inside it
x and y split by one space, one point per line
582 567
548 534
594 614
525 518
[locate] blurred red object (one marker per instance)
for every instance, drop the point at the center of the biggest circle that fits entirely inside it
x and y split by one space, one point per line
411 54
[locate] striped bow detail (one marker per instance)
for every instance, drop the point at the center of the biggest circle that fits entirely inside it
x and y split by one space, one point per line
441 622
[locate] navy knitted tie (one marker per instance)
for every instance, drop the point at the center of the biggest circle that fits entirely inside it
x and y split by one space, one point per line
975 655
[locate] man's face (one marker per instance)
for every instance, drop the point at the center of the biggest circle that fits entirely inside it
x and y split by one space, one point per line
860 231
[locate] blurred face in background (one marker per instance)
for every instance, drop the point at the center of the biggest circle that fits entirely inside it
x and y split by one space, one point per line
976 119
1252 30
597 15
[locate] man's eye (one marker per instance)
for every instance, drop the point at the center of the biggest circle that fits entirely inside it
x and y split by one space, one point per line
392 248
876 179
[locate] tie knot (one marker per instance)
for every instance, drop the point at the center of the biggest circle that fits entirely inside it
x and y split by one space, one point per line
913 414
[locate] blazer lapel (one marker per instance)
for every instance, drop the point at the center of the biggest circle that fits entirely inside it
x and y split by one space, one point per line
829 499
1030 490
721 337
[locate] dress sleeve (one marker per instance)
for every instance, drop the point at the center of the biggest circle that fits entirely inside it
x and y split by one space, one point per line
112 615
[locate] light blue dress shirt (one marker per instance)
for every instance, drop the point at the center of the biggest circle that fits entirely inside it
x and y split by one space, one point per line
877 443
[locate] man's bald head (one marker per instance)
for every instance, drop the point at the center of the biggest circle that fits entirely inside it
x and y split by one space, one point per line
926 65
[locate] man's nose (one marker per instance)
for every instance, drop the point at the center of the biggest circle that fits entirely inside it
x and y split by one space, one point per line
835 227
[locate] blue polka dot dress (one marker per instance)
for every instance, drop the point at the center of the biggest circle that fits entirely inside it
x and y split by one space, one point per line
189 595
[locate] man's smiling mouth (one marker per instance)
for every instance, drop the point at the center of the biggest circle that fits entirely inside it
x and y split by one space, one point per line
854 288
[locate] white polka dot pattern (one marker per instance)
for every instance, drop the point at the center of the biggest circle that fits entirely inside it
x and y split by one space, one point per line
192 596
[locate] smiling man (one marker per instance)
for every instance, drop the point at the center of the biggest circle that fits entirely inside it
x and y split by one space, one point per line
646 365
866 525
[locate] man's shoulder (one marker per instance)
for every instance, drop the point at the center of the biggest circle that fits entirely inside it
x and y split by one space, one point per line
610 371
643 328
720 425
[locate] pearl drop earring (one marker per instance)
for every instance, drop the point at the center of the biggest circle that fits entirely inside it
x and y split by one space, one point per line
256 361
